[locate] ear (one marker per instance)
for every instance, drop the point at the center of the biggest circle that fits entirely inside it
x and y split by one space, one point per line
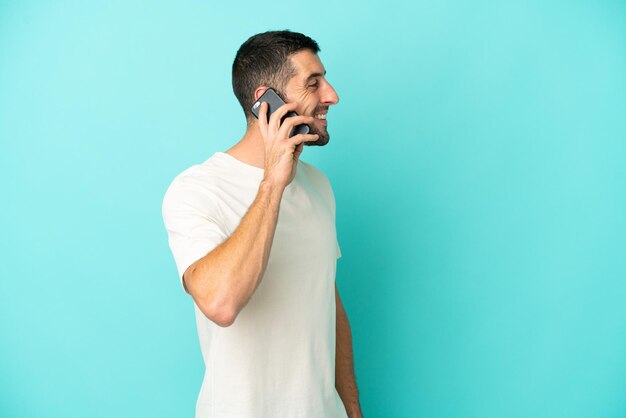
259 92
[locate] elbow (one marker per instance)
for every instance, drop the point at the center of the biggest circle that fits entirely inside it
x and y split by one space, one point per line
221 314
223 318
217 299
215 308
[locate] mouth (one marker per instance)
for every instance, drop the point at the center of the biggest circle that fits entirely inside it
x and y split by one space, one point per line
321 117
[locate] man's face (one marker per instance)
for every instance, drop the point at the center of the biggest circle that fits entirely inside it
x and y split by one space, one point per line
312 92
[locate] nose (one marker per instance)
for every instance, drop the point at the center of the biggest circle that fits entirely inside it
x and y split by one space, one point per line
329 95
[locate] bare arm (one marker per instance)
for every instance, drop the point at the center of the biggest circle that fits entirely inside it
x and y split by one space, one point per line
345 380
223 281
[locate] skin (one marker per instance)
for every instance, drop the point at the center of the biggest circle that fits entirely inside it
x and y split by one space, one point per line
309 96
223 281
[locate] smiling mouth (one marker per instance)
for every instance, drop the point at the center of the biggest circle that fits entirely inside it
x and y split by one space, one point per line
320 113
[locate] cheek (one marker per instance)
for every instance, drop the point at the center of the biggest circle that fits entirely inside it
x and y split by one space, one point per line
307 107
307 101
301 94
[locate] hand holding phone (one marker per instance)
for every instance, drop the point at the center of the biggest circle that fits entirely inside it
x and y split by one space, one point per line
274 101
283 143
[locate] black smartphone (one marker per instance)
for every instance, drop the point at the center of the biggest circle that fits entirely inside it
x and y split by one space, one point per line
274 101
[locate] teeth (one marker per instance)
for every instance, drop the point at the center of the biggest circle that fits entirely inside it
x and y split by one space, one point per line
320 116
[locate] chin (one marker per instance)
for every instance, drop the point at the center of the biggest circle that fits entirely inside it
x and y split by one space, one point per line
320 142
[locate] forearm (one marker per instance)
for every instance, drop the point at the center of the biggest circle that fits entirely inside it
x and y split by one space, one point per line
345 380
223 281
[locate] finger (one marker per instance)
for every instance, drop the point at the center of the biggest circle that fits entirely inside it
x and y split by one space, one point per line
298 150
292 121
302 138
278 114
298 120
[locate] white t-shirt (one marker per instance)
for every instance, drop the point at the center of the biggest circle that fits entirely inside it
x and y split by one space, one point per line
278 358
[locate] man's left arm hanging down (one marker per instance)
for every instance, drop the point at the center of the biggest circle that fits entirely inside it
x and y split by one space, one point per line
345 380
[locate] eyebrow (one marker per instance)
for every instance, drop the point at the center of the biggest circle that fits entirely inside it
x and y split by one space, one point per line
313 75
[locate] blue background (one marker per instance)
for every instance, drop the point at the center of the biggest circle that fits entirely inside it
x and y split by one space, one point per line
478 161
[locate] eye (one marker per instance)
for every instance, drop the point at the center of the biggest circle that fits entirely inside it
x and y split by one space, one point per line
314 84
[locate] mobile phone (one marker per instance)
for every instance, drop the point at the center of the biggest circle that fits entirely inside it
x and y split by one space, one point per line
274 101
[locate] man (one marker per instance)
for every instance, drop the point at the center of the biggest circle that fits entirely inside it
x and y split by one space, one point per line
252 231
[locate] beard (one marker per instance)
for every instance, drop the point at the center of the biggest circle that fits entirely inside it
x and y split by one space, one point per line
323 139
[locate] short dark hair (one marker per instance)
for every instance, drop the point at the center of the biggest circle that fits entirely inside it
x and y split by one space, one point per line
264 60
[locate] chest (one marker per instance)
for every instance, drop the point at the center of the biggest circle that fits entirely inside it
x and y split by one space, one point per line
305 226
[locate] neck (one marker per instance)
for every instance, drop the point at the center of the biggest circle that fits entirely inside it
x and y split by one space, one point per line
251 148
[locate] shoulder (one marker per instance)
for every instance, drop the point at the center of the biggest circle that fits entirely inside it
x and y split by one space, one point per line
190 180
314 173
193 187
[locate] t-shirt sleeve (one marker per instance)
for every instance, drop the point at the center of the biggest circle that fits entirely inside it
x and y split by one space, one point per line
190 218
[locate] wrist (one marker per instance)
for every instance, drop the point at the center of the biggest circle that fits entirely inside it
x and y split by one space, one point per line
272 188
354 411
